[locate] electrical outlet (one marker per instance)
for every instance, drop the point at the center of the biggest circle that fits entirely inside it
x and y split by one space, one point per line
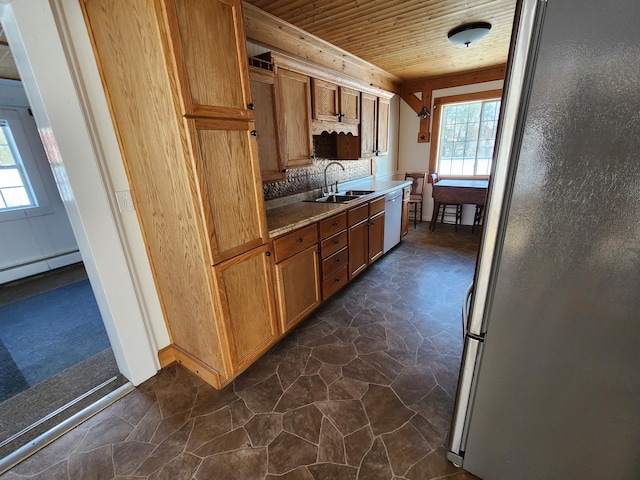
125 202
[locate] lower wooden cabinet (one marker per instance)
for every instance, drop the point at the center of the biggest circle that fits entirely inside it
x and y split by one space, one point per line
251 320
366 235
404 229
376 237
334 253
297 272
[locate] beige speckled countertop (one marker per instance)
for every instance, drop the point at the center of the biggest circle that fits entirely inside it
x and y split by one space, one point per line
286 218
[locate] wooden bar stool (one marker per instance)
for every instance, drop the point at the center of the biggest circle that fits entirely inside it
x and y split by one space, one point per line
417 194
451 212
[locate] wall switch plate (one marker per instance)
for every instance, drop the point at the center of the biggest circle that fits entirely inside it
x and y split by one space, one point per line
125 202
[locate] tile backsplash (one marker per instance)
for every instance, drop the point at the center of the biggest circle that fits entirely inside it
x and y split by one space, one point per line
304 179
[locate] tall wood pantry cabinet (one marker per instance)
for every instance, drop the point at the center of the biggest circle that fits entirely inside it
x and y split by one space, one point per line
177 83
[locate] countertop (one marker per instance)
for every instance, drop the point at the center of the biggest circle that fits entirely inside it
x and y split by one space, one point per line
286 218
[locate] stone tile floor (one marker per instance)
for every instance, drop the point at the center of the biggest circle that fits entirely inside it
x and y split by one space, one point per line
362 389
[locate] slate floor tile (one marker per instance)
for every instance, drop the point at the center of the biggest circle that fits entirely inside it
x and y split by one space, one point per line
361 389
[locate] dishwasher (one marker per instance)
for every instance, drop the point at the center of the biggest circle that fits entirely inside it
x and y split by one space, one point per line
392 219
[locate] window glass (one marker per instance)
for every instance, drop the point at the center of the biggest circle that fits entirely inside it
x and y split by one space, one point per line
15 189
466 137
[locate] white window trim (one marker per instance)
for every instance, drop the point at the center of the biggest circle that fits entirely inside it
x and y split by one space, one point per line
32 170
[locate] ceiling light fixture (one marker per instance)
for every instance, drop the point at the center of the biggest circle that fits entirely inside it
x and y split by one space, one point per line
468 33
424 113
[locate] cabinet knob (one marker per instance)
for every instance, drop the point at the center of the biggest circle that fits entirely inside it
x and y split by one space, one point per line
268 254
336 242
250 106
337 280
300 240
254 132
337 260
335 224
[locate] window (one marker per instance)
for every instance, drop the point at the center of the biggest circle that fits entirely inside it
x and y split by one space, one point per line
15 189
465 131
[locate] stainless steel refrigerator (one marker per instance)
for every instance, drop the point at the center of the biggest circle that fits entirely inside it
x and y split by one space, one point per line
550 380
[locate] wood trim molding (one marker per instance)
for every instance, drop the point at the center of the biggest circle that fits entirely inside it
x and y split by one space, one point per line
427 85
272 32
455 79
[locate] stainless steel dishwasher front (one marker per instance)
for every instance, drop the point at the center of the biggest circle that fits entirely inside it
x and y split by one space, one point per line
392 219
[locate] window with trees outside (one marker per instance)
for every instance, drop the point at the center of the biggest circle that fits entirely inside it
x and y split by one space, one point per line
464 128
15 189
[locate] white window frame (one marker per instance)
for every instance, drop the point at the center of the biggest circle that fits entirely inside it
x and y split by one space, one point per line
434 159
30 166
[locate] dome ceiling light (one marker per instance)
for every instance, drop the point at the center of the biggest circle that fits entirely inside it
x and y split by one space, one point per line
468 33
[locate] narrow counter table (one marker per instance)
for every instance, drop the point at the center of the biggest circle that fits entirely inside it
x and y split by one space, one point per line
472 192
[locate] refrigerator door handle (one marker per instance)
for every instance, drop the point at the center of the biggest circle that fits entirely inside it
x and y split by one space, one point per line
466 306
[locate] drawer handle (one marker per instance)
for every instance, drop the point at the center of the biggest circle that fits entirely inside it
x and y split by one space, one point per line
337 280
300 240
254 133
337 260
335 224
336 242
268 254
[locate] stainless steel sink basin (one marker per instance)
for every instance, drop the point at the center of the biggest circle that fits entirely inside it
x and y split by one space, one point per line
359 193
337 198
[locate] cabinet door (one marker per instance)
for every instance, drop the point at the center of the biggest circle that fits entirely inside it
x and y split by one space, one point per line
383 126
369 107
227 171
349 105
209 44
296 113
325 101
358 248
298 286
376 237
264 94
405 218
250 320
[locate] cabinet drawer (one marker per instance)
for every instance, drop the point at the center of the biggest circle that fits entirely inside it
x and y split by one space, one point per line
376 206
333 244
294 242
334 283
335 262
333 225
356 215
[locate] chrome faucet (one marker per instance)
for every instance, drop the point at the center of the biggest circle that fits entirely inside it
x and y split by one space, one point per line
326 185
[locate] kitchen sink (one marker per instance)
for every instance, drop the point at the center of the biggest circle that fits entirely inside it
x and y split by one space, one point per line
359 193
337 198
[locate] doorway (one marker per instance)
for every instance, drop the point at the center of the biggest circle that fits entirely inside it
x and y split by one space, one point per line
54 350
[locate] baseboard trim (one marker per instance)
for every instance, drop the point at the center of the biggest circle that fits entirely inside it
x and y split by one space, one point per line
166 356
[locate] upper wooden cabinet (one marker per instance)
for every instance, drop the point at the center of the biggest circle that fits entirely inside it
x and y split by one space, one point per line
325 100
382 147
228 176
334 103
368 125
296 117
349 105
265 93
374 126
207 39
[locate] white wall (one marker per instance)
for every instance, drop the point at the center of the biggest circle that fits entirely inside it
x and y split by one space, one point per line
39 239
59 74
414 156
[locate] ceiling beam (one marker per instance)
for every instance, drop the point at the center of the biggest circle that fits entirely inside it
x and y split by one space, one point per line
270 31
427 85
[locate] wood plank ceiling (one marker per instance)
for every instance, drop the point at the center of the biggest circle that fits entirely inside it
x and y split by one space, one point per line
407 38
7 65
